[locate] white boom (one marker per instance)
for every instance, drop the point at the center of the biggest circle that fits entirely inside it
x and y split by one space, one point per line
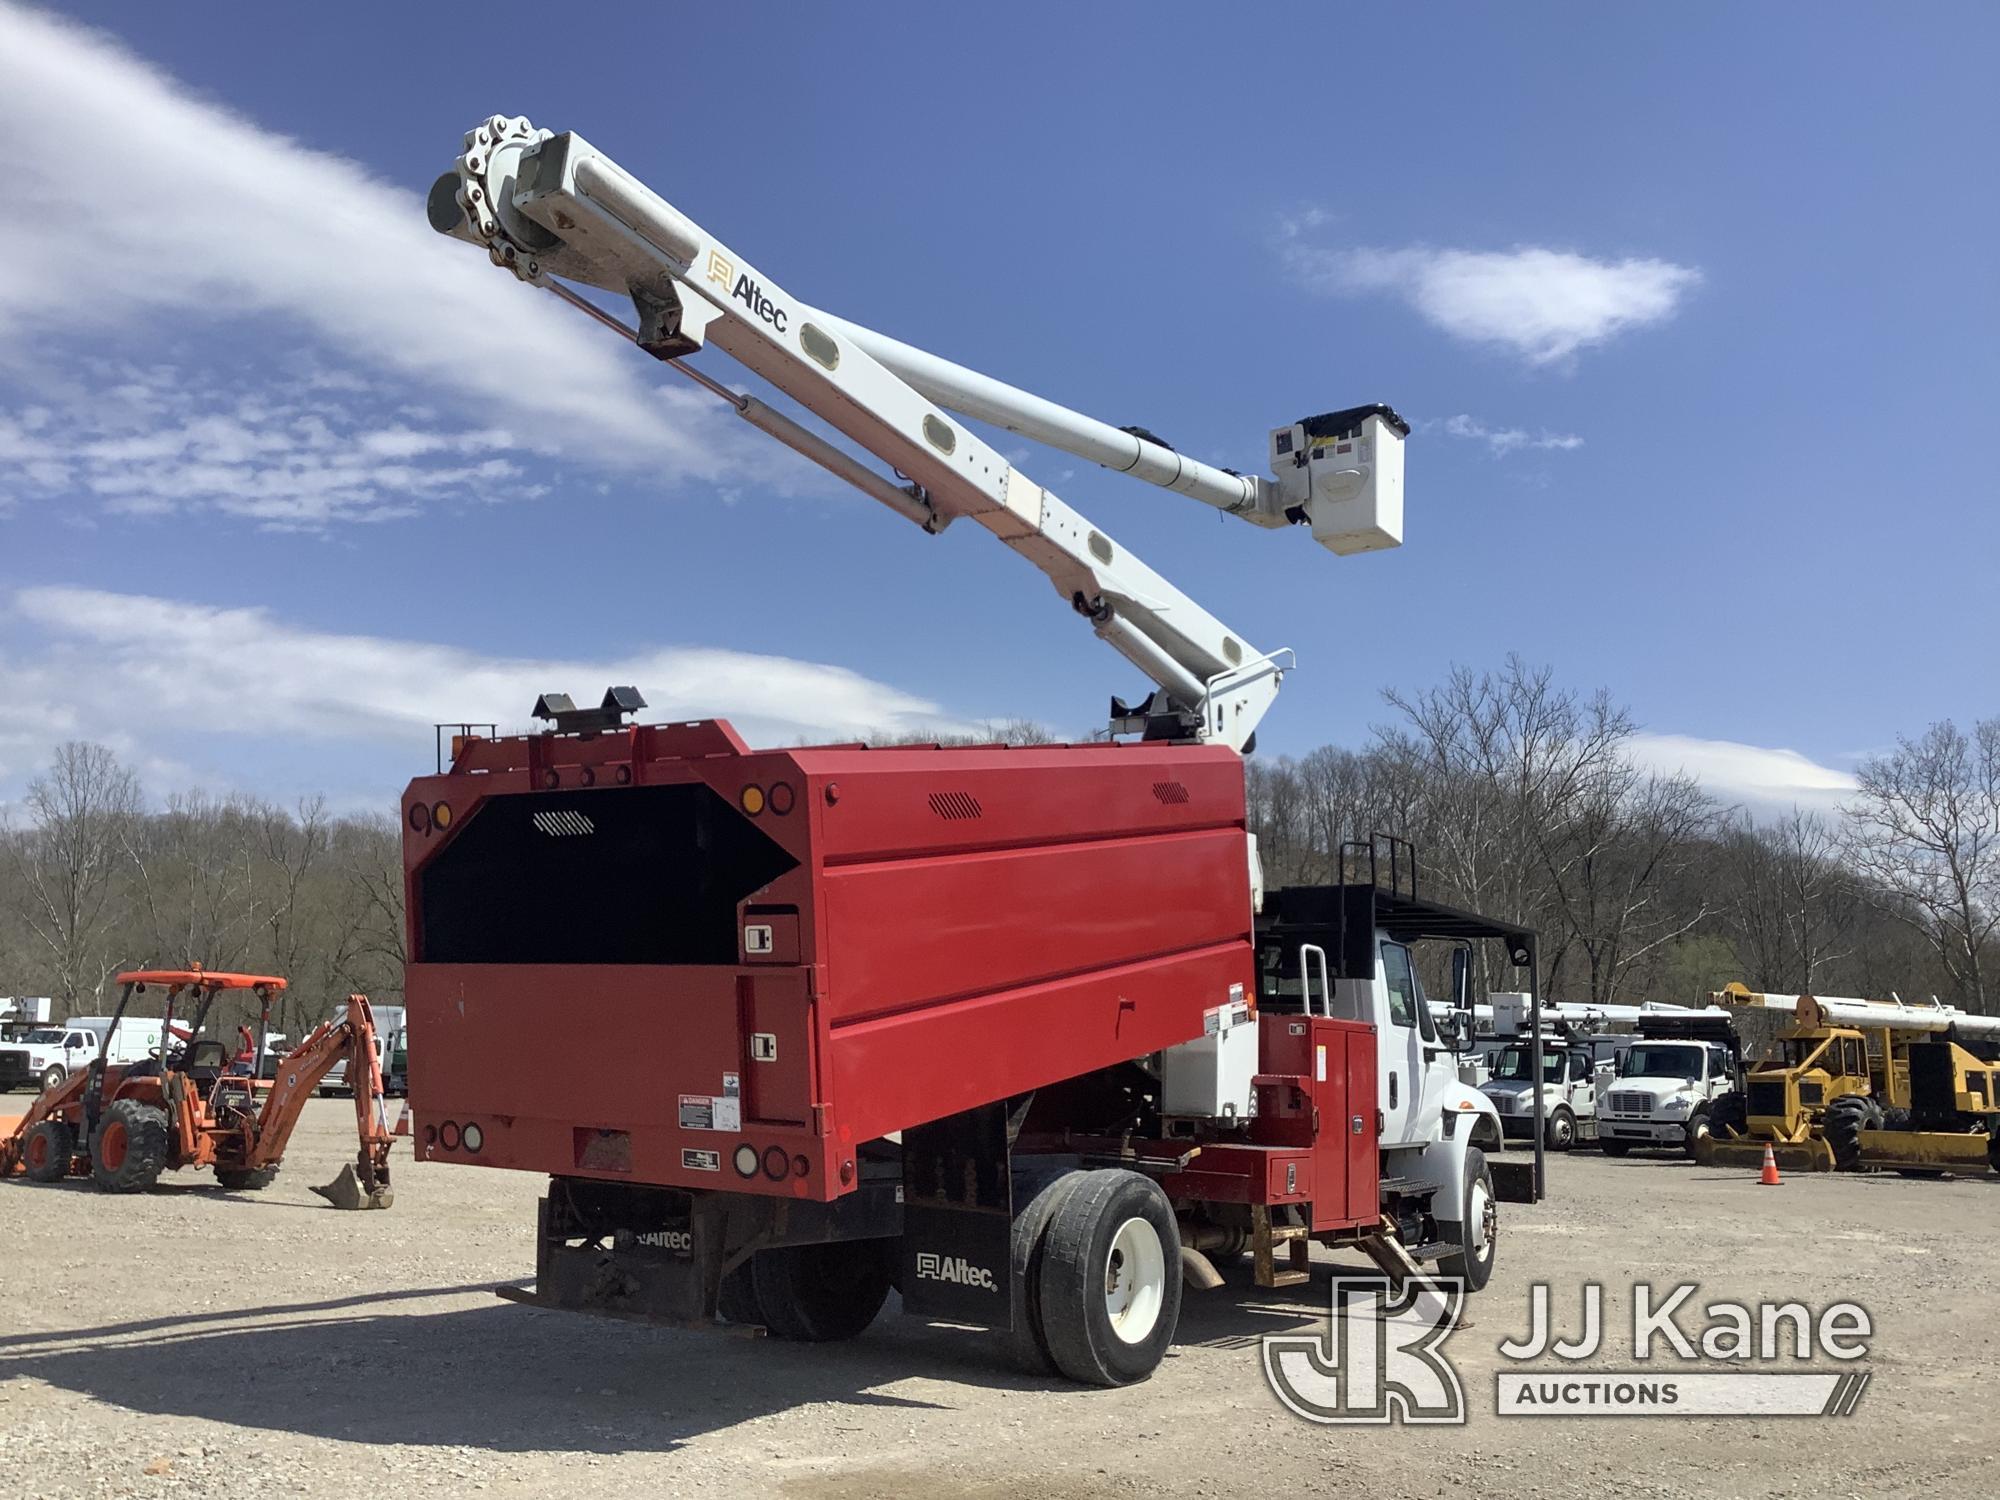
551 208
1895 1015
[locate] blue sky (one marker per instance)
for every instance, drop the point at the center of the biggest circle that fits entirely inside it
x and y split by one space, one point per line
1695 311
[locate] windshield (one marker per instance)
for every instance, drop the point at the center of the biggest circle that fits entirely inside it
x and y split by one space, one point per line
1517 1065
1655 1060
46 1035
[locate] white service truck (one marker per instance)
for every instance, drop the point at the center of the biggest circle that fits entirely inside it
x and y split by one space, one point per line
1666 1084
46 1056
1570 1083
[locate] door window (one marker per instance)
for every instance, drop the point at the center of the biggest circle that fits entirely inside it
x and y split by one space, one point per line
1402 984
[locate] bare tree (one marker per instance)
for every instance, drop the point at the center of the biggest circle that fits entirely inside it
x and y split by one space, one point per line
1789 904
68 863
196 878
1924 830
1612 863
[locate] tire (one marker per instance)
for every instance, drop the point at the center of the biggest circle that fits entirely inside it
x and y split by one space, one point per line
47 1151
1110 1290
1027 1345
129 1151
1700 1125
246 1179
1476 1233
1845 1119
736 1299
1613 1148
1728 1115
1560 1134
53 1076
818 1294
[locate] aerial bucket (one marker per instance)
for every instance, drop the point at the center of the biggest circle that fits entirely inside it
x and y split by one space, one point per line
347 1191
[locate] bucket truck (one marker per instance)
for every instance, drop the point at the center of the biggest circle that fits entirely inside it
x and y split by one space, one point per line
1014 1030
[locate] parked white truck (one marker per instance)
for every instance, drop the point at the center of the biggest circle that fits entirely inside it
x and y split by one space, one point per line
1666 1084
47 1055
1570 1082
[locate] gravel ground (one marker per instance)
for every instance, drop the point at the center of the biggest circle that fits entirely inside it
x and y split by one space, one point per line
189 1343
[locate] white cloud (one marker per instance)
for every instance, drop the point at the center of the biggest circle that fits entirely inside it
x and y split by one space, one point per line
1543 304
1764 780
143 203
298 453
247 672
1505 440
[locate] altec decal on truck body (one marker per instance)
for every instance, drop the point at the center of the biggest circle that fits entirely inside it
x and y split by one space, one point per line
870 949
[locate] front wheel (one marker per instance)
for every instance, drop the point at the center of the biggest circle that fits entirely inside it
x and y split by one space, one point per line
1699 1129
52 1077
1111 1279
48 1150
1843 1123
1477 1232
1561 1134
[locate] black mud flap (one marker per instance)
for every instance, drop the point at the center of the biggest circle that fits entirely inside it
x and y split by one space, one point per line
1513 1181
958 1219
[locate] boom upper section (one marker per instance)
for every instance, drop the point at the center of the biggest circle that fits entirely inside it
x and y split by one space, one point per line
551 208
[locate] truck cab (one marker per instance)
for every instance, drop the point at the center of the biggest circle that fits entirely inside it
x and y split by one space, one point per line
1663 1092
47 1055
1569 1093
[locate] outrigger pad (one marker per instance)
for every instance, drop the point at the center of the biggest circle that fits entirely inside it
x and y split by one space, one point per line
346 1191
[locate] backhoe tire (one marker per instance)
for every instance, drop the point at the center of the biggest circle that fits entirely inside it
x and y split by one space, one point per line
53 1076
1845 1119
1111 1278
1560 1133
129 1151
1476 1231
1728 1115
246 1179
1027 1345
818 1294
46 1151
1613 1148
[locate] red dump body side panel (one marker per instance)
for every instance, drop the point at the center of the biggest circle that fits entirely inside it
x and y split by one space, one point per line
928 929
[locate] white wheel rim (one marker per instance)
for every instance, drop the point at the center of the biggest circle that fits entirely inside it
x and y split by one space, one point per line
1135 1281
1480 1216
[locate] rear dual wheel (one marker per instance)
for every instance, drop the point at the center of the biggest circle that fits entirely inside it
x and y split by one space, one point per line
810 1294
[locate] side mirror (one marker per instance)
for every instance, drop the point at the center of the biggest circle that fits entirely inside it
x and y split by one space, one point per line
1461 999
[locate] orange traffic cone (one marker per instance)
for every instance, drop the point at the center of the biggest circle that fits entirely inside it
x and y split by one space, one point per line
403 1119
1769 1176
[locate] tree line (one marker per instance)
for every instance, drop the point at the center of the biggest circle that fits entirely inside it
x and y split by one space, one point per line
1522 798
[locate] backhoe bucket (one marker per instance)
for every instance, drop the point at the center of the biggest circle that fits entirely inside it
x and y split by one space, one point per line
347 1191
1747 1151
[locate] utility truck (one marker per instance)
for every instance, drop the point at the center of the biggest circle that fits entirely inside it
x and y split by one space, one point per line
1015 1031
1668 1082
47 1055
1570 1079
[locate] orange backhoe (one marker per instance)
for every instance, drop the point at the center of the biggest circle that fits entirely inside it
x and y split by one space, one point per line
196 1106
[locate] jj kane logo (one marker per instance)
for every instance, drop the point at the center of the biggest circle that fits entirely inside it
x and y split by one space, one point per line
1382 1358
953 1268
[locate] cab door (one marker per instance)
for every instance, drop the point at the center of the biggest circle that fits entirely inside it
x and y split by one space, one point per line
1410 1111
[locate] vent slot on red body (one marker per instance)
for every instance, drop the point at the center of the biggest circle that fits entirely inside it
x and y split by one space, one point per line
1171 792
955 805
647 875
